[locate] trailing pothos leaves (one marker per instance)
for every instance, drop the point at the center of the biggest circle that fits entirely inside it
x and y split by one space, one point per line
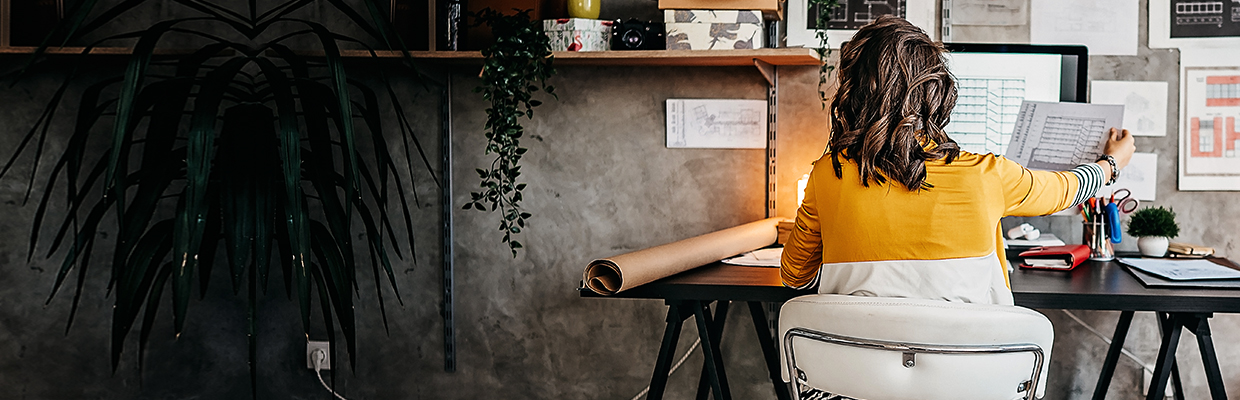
823 10
515 68
242 143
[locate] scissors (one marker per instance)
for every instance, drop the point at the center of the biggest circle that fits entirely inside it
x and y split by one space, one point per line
1125 204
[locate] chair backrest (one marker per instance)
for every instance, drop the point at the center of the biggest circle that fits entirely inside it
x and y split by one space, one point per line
880 348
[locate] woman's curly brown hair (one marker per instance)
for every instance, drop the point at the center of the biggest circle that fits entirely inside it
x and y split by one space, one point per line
895 96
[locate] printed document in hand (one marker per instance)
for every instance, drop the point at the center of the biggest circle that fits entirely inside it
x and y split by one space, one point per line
1060 136
1182 270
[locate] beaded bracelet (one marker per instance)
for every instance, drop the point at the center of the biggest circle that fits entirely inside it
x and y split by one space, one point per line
1114 168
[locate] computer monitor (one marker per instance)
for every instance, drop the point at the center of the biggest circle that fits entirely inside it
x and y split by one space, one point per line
993 79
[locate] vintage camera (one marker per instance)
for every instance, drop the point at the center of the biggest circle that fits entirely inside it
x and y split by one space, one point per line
637 35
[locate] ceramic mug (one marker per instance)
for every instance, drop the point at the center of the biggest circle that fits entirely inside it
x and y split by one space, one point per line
583 8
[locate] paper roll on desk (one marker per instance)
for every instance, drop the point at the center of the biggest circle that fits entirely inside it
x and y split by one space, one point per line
616 274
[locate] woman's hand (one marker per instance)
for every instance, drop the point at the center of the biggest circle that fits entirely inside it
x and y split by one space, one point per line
1121 146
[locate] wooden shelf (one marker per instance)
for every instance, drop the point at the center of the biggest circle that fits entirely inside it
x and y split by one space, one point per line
681 58
97 51
684 58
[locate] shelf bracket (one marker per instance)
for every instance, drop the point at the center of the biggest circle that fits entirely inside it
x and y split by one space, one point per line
449 316
772 100
767 70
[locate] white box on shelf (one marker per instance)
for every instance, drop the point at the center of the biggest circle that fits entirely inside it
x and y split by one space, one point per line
713 16
578 34
713 36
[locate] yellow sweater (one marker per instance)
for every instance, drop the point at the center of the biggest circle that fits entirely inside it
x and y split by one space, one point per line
842 221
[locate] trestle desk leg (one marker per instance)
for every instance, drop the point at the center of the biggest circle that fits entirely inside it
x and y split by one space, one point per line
769 352
671 334
716 334
1166 358
1177 386
1209 359
710 351
1117 345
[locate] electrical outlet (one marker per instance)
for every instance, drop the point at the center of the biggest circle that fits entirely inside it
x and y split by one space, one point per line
313 345
1147 379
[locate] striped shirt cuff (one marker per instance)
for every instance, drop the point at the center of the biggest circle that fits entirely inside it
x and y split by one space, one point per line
1090 177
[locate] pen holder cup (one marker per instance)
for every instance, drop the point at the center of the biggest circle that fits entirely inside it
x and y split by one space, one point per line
1095 236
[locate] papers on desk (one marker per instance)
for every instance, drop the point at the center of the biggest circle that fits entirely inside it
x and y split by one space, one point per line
1047 263
1181 270
1046 239
758 258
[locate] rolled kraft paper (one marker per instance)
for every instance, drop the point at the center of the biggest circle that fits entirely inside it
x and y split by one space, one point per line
616 274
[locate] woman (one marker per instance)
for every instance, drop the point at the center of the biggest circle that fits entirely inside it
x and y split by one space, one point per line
895 208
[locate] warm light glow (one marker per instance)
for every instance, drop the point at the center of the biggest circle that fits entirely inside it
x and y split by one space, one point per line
801 183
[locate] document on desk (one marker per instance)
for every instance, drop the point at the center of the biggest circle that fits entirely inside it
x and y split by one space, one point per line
1060 136
1182 270
622 272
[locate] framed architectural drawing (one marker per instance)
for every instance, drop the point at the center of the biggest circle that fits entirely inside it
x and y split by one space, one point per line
1210 105
1194 24
853 14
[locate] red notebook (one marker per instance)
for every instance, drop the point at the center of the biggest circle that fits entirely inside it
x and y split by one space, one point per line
1062 258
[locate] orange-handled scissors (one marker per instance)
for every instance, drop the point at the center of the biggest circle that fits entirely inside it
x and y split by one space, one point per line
1124 203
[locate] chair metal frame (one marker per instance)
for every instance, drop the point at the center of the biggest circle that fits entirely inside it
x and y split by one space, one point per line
908 349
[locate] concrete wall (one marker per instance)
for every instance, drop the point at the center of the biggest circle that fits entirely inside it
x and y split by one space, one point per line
601 183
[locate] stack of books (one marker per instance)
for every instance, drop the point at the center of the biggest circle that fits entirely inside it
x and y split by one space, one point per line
1185 250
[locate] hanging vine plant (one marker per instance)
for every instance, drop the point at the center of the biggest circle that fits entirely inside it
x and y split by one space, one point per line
823 10
516 67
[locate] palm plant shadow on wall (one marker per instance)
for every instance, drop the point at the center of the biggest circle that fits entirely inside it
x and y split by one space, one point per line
242 140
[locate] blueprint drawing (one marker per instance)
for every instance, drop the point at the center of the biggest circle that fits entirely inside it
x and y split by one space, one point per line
1060 136
985 113
716 123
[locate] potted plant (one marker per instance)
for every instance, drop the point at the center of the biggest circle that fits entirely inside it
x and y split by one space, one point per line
249 142
1154 227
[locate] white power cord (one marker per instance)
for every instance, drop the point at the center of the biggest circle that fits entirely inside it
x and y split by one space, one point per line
674 367
319 358
1104 338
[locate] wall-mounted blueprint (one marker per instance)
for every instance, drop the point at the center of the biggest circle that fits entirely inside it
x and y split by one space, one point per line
1145 104
1209 136
1060 136
854 14
1108 27
1140 177
1201 19
716 123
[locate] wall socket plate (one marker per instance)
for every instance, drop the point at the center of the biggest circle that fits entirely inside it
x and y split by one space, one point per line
1147 378
313 345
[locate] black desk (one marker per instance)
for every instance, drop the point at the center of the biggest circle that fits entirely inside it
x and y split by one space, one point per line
1091 286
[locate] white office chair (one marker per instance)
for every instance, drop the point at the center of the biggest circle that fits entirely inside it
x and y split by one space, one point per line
880 348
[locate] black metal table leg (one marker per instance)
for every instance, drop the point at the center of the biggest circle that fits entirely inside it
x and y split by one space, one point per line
1117 344
716 334
1166 357
1177 386
1209 359
769 352
710 351
671 334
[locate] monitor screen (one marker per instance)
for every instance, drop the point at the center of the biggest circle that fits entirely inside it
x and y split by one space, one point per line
993 79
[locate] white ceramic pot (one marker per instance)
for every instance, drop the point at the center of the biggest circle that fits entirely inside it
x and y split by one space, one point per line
1153 246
